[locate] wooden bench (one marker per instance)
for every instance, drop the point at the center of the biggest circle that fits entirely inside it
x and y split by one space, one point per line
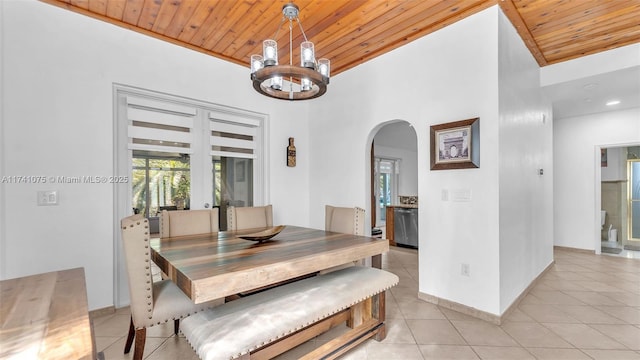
271 322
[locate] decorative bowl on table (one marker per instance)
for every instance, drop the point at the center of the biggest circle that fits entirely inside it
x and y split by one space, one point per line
263 235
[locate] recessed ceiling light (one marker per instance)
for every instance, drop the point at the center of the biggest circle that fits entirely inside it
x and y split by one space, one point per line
613 102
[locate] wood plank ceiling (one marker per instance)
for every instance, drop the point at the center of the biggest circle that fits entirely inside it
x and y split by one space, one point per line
350 32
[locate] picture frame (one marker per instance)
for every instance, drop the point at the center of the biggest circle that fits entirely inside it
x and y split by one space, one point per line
455 145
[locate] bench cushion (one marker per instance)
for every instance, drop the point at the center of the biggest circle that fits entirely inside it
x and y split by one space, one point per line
241 326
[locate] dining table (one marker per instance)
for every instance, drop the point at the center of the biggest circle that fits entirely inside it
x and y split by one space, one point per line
217 265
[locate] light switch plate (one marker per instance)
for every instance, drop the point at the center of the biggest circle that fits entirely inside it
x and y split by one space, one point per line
47 198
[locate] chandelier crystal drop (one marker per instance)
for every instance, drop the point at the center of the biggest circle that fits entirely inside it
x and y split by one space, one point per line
289 82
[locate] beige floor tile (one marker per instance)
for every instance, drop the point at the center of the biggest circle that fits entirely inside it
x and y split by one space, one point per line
518 315
447 352
558 354
613 354
116 350
419 309
173 348
377 351
430 332
478 332
584 337
403 294
627 298
547 313
597 286
103 342
628 314
398 332
502 353
589 314
593 298
113 325
555 297
530 334
562 284
628 335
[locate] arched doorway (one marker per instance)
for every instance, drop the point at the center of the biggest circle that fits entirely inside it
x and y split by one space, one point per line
394 170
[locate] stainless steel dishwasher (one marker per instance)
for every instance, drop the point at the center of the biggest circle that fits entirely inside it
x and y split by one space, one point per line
405 222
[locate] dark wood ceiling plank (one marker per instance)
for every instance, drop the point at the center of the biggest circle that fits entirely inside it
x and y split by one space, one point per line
316 26
581 13
384 21
82 4
98 6
149 14
212 23
243 32
591 25
183 14
132 11
608 41
204 15
166 14
235 15
115 9
312 14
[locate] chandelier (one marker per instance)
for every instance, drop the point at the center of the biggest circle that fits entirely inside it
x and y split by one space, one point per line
289 82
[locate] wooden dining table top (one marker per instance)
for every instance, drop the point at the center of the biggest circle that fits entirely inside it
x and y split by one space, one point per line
217 265
45 316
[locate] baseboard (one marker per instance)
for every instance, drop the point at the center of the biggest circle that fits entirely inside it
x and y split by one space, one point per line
483 315
464 309
571 249
102 312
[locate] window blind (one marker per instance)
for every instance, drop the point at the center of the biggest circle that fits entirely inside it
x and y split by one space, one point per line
233 136
160 126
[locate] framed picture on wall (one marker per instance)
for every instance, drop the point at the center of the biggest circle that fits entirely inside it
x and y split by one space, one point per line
455 145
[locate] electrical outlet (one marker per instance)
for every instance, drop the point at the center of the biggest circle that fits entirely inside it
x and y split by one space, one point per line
46 198
464 270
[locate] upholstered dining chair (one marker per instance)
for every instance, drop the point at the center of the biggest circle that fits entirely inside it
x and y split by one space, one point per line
344 220
188 222
240 218
152 303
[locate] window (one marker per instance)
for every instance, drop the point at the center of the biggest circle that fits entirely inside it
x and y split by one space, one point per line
160 182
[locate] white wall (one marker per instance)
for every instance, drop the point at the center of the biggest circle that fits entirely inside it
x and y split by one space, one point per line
408 179
576 159
449 75
57 99
526 197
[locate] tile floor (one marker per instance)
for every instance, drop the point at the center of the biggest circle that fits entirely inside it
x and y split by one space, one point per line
585 307
623 253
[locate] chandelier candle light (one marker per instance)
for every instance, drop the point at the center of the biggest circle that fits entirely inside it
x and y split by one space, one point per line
307 81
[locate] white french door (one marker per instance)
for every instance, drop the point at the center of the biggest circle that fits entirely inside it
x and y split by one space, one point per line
160 126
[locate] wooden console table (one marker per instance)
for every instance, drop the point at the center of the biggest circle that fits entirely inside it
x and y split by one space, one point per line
46 316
